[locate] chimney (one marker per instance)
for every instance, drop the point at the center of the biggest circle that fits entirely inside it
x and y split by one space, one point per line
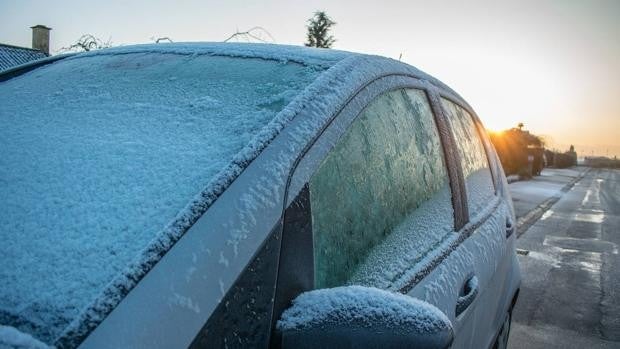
41 38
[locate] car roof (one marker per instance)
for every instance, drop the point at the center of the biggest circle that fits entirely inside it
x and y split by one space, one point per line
309 56
282 53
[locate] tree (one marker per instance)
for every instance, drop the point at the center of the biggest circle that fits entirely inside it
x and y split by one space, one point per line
513 148
318 31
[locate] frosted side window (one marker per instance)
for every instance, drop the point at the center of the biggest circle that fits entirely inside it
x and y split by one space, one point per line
388 164
478 179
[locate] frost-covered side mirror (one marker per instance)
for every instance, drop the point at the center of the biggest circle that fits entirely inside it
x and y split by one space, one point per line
362 317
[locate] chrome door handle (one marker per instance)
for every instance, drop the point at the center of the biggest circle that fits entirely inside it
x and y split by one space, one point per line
468 293
510 227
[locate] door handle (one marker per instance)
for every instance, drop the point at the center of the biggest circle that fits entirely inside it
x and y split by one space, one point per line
510 227
467 294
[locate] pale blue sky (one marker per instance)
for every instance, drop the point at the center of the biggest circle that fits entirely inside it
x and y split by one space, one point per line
554 65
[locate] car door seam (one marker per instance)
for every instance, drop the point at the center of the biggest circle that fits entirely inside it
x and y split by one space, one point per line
463 235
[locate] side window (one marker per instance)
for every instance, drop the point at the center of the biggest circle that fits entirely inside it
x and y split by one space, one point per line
380 200
478 178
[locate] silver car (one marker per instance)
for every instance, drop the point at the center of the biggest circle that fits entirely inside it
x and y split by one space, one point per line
242 195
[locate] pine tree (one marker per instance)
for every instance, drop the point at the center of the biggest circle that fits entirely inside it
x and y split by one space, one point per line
318 30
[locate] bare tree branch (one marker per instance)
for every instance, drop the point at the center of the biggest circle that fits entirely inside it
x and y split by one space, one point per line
87 42
252 33
165 38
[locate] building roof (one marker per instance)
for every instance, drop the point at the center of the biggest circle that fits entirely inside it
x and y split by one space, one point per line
41 26
11 56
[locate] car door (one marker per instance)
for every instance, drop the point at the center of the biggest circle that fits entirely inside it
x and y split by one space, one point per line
488 220
370 202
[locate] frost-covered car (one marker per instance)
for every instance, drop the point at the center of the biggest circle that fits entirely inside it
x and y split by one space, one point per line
239 195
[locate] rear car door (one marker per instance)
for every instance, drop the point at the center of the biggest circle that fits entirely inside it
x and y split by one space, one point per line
488 220
370 203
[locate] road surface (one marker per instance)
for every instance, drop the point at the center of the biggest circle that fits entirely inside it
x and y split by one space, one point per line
570 293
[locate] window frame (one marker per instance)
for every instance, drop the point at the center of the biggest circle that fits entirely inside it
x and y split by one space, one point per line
481 134
470 226
317 149
392 105
360 99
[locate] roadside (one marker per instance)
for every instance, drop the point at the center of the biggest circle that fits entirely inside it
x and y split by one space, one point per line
568 224
534 197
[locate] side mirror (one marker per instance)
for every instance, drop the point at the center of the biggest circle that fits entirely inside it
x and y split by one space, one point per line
362 317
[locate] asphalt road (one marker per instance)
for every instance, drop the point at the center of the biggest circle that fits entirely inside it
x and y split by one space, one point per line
570 293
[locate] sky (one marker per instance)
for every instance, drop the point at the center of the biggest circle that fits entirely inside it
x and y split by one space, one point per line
552 65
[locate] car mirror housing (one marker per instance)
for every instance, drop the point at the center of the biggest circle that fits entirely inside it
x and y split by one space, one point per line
362 317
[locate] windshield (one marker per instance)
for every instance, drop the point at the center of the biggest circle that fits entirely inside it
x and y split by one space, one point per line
98 154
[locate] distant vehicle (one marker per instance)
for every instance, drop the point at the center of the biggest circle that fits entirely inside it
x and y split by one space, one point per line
244 195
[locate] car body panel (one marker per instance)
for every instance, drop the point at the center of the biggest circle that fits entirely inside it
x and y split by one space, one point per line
172 302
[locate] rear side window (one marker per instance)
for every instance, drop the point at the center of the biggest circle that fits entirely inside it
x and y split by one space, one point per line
380 200
478 178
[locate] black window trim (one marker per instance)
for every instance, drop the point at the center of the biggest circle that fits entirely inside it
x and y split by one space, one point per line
261 255
455 170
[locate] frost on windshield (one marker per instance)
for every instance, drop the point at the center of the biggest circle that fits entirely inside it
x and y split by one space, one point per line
474 161
380 201
10 337
99 154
